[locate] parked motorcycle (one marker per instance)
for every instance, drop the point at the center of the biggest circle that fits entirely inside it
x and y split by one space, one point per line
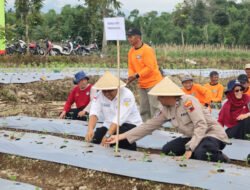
10 49
80 50
92 48
36 49
59 50
19 47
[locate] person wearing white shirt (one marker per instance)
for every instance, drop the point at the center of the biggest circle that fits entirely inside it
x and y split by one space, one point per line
105 105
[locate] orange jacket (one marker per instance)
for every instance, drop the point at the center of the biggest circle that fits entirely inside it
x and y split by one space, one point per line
248 91
200 92
216 91
143 61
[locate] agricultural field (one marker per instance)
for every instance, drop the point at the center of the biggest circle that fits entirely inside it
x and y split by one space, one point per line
45 99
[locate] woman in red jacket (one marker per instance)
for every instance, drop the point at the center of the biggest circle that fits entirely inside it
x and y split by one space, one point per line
81 95
235 113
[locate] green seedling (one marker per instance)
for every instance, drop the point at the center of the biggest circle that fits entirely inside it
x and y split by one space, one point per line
12 177
208 156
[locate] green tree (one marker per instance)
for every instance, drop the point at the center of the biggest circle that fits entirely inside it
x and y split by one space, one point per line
200 17
100 9
221 19
28 13
181 18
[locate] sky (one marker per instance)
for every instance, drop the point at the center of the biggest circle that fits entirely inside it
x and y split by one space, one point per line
128 5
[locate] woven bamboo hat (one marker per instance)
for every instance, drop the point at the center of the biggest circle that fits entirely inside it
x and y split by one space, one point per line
166 88
108 82
247 66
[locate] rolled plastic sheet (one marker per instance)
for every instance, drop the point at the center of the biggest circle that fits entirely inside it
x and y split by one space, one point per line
127 163
237 151
20 76
14 185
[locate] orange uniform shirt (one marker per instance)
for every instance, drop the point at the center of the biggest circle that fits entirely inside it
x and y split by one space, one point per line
248 91
143 61
200 92
216 91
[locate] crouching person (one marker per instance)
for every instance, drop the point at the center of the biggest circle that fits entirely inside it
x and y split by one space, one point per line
105 104
81 95
203 136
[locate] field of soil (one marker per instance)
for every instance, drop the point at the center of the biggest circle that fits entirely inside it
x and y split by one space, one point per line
46 99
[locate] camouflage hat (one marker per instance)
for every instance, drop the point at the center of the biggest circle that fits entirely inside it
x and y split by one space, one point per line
186 77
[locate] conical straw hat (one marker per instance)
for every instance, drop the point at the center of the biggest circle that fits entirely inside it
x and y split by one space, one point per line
166 88
108 82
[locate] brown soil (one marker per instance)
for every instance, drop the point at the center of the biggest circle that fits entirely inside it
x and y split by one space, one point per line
46 99
53 176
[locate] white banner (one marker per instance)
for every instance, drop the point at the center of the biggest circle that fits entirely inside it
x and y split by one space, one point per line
115 28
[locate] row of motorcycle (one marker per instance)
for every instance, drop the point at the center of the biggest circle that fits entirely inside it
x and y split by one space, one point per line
69 48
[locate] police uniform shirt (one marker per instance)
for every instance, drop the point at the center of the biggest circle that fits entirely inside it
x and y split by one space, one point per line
107 109
188 117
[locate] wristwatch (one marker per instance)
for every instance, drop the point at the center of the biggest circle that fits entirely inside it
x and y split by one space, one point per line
108 135
187 148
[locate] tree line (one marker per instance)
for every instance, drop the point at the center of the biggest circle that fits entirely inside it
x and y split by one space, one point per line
225 22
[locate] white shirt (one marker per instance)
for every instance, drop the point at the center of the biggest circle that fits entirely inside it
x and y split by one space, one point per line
107 109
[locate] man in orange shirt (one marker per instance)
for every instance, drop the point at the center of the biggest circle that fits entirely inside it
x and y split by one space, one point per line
216 89
200 92
142 66
243 79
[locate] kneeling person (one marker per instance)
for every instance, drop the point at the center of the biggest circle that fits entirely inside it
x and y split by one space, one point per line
105 105
81 95
202 133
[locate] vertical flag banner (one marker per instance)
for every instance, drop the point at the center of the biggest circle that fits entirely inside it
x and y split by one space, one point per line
2 28
115 30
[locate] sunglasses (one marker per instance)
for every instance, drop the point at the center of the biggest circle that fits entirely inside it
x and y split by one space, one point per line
238 90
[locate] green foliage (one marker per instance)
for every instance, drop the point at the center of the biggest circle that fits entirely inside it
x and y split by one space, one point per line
192 22
221 18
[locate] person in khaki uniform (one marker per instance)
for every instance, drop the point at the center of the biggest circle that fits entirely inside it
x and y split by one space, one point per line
203 137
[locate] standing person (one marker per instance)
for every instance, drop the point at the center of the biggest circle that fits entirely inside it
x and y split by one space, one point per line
202 135
235 113
143 67
200 92
216 89
81 95
243 79
105 105
247 70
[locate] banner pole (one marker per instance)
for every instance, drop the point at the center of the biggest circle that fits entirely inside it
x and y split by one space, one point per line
118 97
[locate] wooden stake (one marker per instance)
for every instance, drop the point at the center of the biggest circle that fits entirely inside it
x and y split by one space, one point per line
118 98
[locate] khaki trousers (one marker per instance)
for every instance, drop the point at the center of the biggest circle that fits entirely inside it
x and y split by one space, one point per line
149 105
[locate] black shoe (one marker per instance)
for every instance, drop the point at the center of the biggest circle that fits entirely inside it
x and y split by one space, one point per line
248 159
226 159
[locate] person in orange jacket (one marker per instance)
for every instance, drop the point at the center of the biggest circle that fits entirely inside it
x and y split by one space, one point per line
216 89
143 67
200 92
243 79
